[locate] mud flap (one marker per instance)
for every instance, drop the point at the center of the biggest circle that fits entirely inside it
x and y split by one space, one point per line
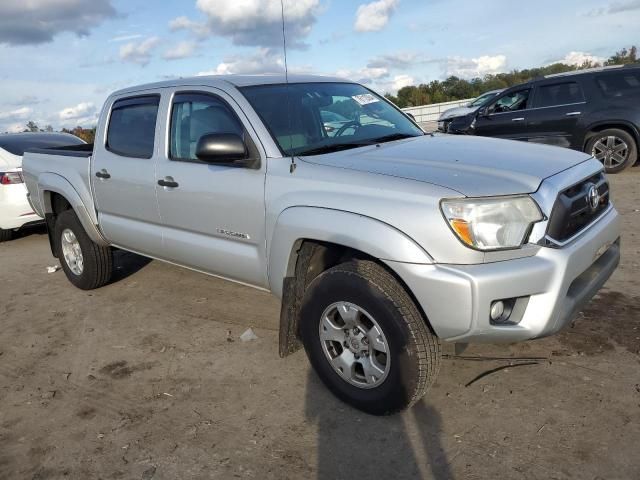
289 311
50 221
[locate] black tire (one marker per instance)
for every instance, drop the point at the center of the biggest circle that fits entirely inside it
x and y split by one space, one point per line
5 235
98 260
414 351
632 151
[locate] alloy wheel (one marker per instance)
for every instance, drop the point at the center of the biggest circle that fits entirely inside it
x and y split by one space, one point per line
612 151
354 345
72 251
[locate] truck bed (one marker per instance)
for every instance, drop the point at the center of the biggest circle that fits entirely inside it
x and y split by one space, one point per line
59 169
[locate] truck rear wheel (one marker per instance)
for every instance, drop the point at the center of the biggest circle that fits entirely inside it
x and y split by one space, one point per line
86 264
366 339
5 235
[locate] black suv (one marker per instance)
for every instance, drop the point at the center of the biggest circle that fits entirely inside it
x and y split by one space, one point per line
596 111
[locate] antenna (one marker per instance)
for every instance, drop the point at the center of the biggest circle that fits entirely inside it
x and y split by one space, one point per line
293 165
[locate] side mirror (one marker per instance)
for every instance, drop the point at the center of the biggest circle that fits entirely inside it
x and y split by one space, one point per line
221 148
410 115
483 112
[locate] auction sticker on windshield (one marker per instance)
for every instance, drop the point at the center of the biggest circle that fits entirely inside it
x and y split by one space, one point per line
365 99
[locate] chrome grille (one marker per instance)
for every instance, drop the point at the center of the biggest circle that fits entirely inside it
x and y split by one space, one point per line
578 206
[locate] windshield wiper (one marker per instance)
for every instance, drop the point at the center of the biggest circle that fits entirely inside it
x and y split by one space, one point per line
392 137
334 147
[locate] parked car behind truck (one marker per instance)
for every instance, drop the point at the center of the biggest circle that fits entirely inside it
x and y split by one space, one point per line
596 111
381 241
15 211
471 107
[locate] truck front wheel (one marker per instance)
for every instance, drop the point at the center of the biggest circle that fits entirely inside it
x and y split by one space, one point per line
86 264
366 339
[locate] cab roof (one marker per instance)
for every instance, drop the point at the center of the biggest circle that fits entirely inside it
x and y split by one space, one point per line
235 80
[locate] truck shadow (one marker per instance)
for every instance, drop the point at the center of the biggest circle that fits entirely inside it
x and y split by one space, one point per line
352 444
126 264
31 230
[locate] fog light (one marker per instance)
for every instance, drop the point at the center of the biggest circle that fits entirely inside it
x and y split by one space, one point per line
497 310
501 311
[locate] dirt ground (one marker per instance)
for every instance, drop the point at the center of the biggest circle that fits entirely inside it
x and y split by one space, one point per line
147 379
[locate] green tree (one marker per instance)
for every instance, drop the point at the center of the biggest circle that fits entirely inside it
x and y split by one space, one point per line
623 57
31 127
86 134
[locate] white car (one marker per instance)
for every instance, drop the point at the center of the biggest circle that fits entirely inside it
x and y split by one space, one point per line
15 210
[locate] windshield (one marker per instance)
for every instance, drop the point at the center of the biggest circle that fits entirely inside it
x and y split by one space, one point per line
312 118
482 99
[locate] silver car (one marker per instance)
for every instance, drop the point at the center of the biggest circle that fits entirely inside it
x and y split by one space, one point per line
381 242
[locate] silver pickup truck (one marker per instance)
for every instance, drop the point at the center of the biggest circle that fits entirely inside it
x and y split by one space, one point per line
380 240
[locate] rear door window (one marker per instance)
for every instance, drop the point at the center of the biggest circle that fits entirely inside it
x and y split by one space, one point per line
619 84
565 93
132 126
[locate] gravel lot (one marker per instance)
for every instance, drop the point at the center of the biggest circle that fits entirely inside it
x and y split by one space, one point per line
147 378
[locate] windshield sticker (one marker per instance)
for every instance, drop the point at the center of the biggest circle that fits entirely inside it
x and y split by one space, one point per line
365 99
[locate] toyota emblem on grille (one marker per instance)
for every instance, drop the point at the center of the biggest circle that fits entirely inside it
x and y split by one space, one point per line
593 197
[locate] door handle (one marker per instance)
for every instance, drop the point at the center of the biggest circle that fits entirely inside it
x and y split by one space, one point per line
168 182
573 114
519 119
103 174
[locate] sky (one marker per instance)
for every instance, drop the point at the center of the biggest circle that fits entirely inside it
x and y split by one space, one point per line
60 59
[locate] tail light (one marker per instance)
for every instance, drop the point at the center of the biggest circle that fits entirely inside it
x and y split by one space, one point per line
10 178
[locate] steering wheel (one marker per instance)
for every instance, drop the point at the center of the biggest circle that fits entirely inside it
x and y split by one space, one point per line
344 127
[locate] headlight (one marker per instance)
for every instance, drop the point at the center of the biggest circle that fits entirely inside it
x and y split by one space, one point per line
492 223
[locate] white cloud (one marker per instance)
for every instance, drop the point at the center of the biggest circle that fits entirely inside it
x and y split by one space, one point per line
15 128
181 50
38 21
82 113
183 23
264 60
379 79
615 7
400 81
17 114
365 75
374 16
253 22
579 58
125 38
139 53
475 67
397 60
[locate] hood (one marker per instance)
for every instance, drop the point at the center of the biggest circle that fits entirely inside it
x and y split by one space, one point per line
472 166
457 112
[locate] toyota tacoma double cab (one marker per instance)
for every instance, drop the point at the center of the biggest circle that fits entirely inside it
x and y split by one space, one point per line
381 241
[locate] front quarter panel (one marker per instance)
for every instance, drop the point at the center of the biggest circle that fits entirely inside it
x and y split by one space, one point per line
359 232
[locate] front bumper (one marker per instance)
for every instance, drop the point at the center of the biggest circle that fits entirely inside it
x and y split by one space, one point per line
15 209
556 283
